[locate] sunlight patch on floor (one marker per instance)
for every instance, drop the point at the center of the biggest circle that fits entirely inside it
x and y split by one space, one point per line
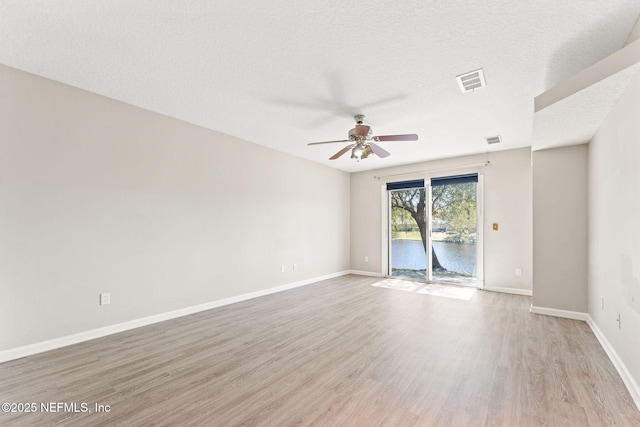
447 291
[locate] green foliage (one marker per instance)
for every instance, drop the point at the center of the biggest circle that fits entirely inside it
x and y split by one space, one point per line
455 206
407 210
453 209
401 220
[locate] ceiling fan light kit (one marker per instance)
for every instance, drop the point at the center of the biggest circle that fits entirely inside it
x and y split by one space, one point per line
360 152
362 141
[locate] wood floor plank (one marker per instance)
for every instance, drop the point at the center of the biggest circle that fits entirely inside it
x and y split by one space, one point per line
339 352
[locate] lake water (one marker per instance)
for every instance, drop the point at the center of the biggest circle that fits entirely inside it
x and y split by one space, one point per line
455 257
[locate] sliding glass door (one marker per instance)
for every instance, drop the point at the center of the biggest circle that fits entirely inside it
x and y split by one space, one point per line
433 229
454 229
408 229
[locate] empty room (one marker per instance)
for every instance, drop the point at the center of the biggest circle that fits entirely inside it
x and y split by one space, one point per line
328 213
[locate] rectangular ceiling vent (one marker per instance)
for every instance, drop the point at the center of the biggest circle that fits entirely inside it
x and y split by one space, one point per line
493 139
471 81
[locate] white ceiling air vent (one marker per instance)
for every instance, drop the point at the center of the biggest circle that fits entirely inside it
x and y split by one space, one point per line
493 139
471 81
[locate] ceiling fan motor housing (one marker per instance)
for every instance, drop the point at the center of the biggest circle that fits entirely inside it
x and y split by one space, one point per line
353 135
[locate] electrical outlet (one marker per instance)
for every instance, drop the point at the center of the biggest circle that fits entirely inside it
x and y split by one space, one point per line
366 259
518 272
282 268
619 320
295 267
105 298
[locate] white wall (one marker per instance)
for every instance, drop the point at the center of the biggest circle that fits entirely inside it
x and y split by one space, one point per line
560 228
507 201
99 196
614 229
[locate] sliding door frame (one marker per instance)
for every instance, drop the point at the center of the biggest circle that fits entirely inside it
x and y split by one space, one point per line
479 227
385 238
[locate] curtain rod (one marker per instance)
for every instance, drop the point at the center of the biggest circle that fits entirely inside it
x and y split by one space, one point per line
486 163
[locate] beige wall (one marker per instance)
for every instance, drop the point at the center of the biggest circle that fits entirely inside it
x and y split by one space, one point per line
614 229
507 201
98 196
560 228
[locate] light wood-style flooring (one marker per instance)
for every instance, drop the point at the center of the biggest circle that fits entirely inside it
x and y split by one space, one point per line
336 353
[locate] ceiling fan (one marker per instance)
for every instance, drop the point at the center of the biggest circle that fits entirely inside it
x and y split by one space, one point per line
363 144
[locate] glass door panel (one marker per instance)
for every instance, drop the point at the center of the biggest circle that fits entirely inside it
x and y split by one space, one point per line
408 231
454 230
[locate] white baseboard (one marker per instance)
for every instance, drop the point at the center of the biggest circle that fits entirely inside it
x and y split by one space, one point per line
516 291
365 273
28 350
576 315
629 381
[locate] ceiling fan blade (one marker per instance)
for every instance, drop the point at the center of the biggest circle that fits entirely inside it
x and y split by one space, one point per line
341 152
362 130
379 151
408 137
328 142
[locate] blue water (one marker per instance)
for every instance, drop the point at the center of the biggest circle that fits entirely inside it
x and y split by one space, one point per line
455 257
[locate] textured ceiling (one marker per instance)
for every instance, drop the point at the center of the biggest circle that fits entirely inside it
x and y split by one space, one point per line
571 112
283 73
